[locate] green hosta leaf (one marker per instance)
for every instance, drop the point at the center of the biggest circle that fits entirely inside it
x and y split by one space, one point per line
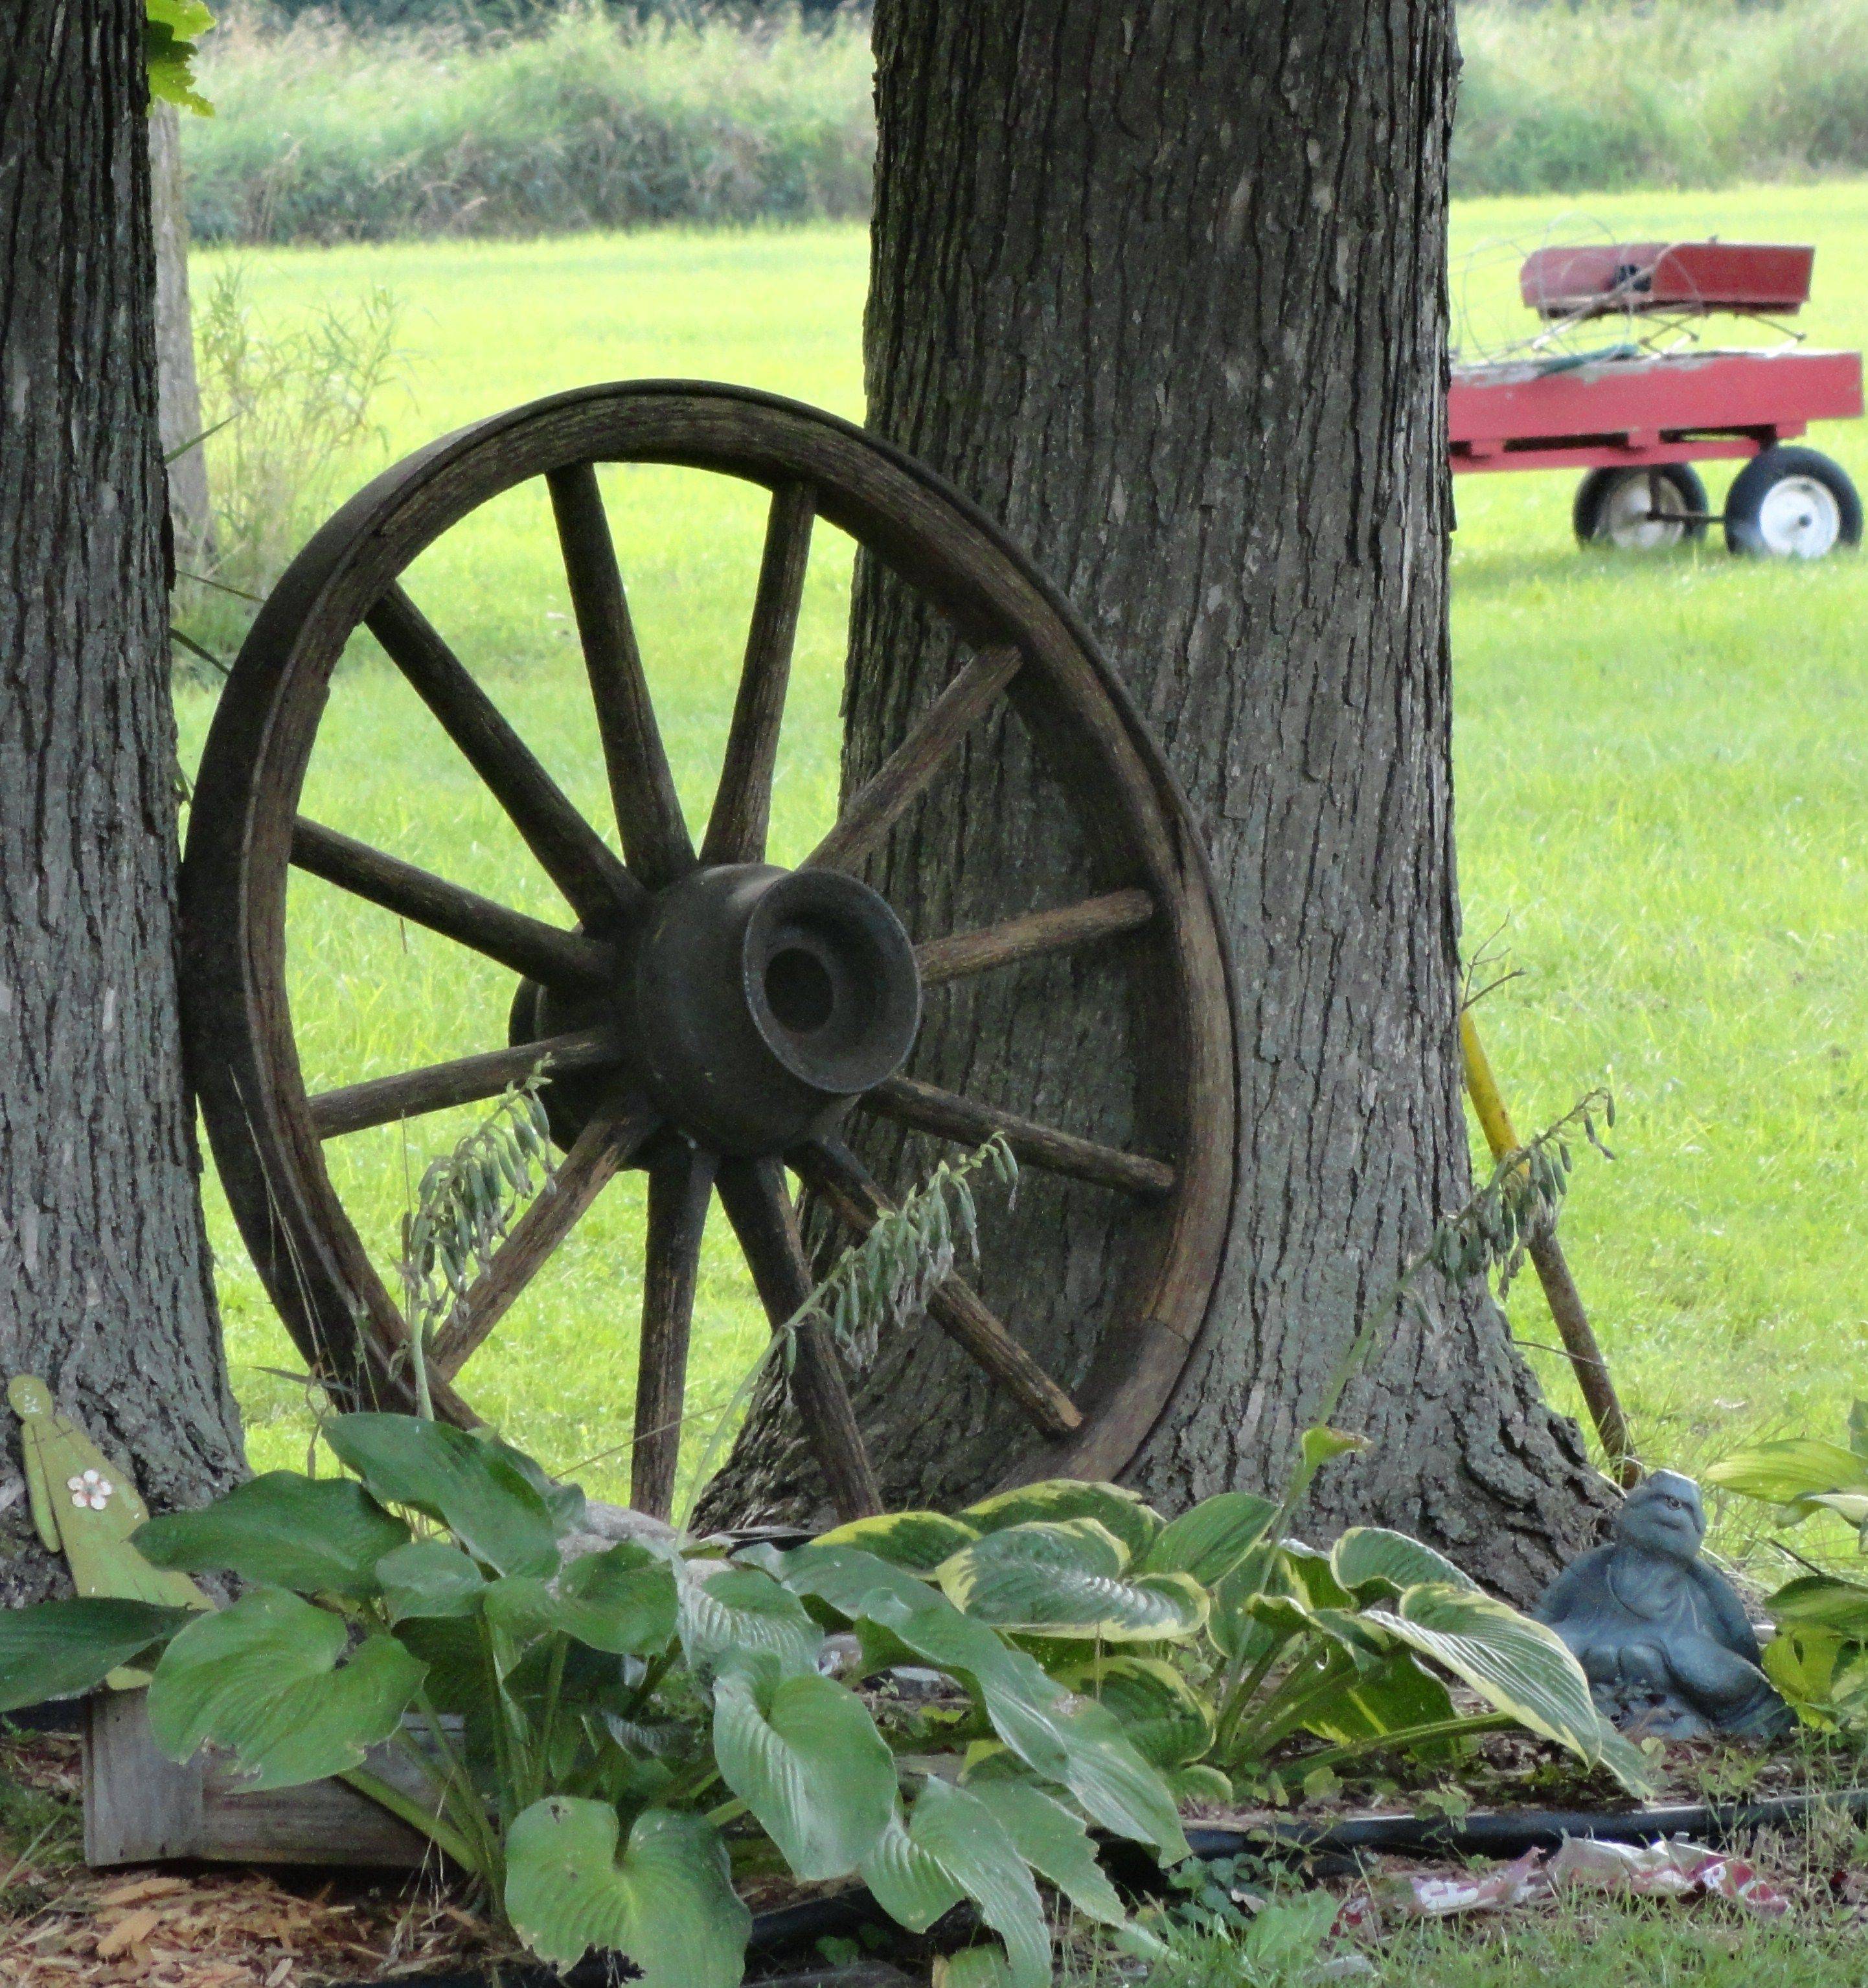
316 1535
1237 1633
1161 1715
427 1579
1517 1665
1061 1738
804 1755
1781 1472
974 1967
917 1540
1211 1541
740 1610
668 1903
1388 1698
264 1679
1067 1580
56 1649
1054 1843
956 1846
1371 1557
1200 1785
474 1491
1122 1512
622 1600
1822 1602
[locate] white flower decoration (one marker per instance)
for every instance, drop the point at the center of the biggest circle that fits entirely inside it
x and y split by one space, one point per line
90 1492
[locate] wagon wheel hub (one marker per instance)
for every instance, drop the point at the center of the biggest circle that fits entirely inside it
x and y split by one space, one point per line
752 1004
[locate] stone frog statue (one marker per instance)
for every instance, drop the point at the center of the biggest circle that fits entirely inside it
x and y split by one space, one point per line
1661 1636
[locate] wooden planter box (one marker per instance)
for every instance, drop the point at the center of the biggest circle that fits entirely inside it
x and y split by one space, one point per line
140 1807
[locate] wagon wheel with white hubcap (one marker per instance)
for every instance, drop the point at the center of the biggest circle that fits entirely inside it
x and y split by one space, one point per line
1640 509
1791 503
701 1013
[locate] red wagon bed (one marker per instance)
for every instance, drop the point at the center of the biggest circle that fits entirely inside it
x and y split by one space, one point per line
1636 418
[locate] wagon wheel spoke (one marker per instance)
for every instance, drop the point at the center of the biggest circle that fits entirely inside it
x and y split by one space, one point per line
379 1101
927 1108
1032 936
859 1201
869 812
680 1186
574 856
758 1203
605 1145
743 804
642 787
528 945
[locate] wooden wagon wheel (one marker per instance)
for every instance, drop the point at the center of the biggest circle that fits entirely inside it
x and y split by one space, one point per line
709 1017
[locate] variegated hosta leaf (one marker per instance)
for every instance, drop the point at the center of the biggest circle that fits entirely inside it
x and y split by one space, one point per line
1389 1697
1309 1575
1135 1523
1068 1579
316 1535
622 1601
954 1847
804 1755
668 1902
1371 1557
1166 1721
1212 1540
1782 1472
917 1540
477 1492
264 1679
1517 1665
1822 1602
737 1610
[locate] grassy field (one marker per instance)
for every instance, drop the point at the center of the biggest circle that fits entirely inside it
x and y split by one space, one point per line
1661 775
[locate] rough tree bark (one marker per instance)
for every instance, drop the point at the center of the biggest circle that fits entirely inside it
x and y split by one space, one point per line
105 1289
1162 286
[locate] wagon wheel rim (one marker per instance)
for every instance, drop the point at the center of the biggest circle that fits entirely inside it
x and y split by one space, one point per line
245 834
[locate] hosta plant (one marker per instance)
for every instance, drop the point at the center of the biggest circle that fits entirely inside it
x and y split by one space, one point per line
1212 1640
606 1742
1818 1658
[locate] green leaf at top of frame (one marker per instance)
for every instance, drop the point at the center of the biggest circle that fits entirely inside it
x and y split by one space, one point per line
1212 1540
478 1493
171 29
1069 1579
270 1680
622 1600
1373 1558
314 1535
802 1753
668 1902
917 1540
57 1649
1783 1472
1123 1513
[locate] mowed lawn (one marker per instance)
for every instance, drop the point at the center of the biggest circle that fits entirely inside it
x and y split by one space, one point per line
1661 779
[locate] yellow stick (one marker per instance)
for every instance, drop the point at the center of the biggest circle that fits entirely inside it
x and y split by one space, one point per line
1547 1257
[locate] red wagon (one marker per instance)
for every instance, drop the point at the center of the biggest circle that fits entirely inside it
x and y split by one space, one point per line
1638 414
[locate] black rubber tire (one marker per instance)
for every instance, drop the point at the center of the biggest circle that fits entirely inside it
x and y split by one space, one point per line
1745 502
1589 515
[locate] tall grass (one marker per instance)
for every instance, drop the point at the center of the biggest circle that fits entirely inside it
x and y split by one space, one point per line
605 119
323 134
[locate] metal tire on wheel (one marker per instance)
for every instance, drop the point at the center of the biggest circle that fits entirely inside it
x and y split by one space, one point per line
1640 509
1791 503
708 1017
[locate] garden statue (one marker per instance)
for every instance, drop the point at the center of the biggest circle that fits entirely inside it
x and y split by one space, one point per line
1663 1636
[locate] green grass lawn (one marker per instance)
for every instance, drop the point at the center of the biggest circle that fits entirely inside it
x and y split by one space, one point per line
1661 776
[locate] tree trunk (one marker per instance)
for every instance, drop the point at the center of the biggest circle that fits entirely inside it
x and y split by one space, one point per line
104 1282
178 396
1162 287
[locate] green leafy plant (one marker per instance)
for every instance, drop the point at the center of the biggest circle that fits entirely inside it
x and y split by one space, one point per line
604 1743
171 31
1818 1658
